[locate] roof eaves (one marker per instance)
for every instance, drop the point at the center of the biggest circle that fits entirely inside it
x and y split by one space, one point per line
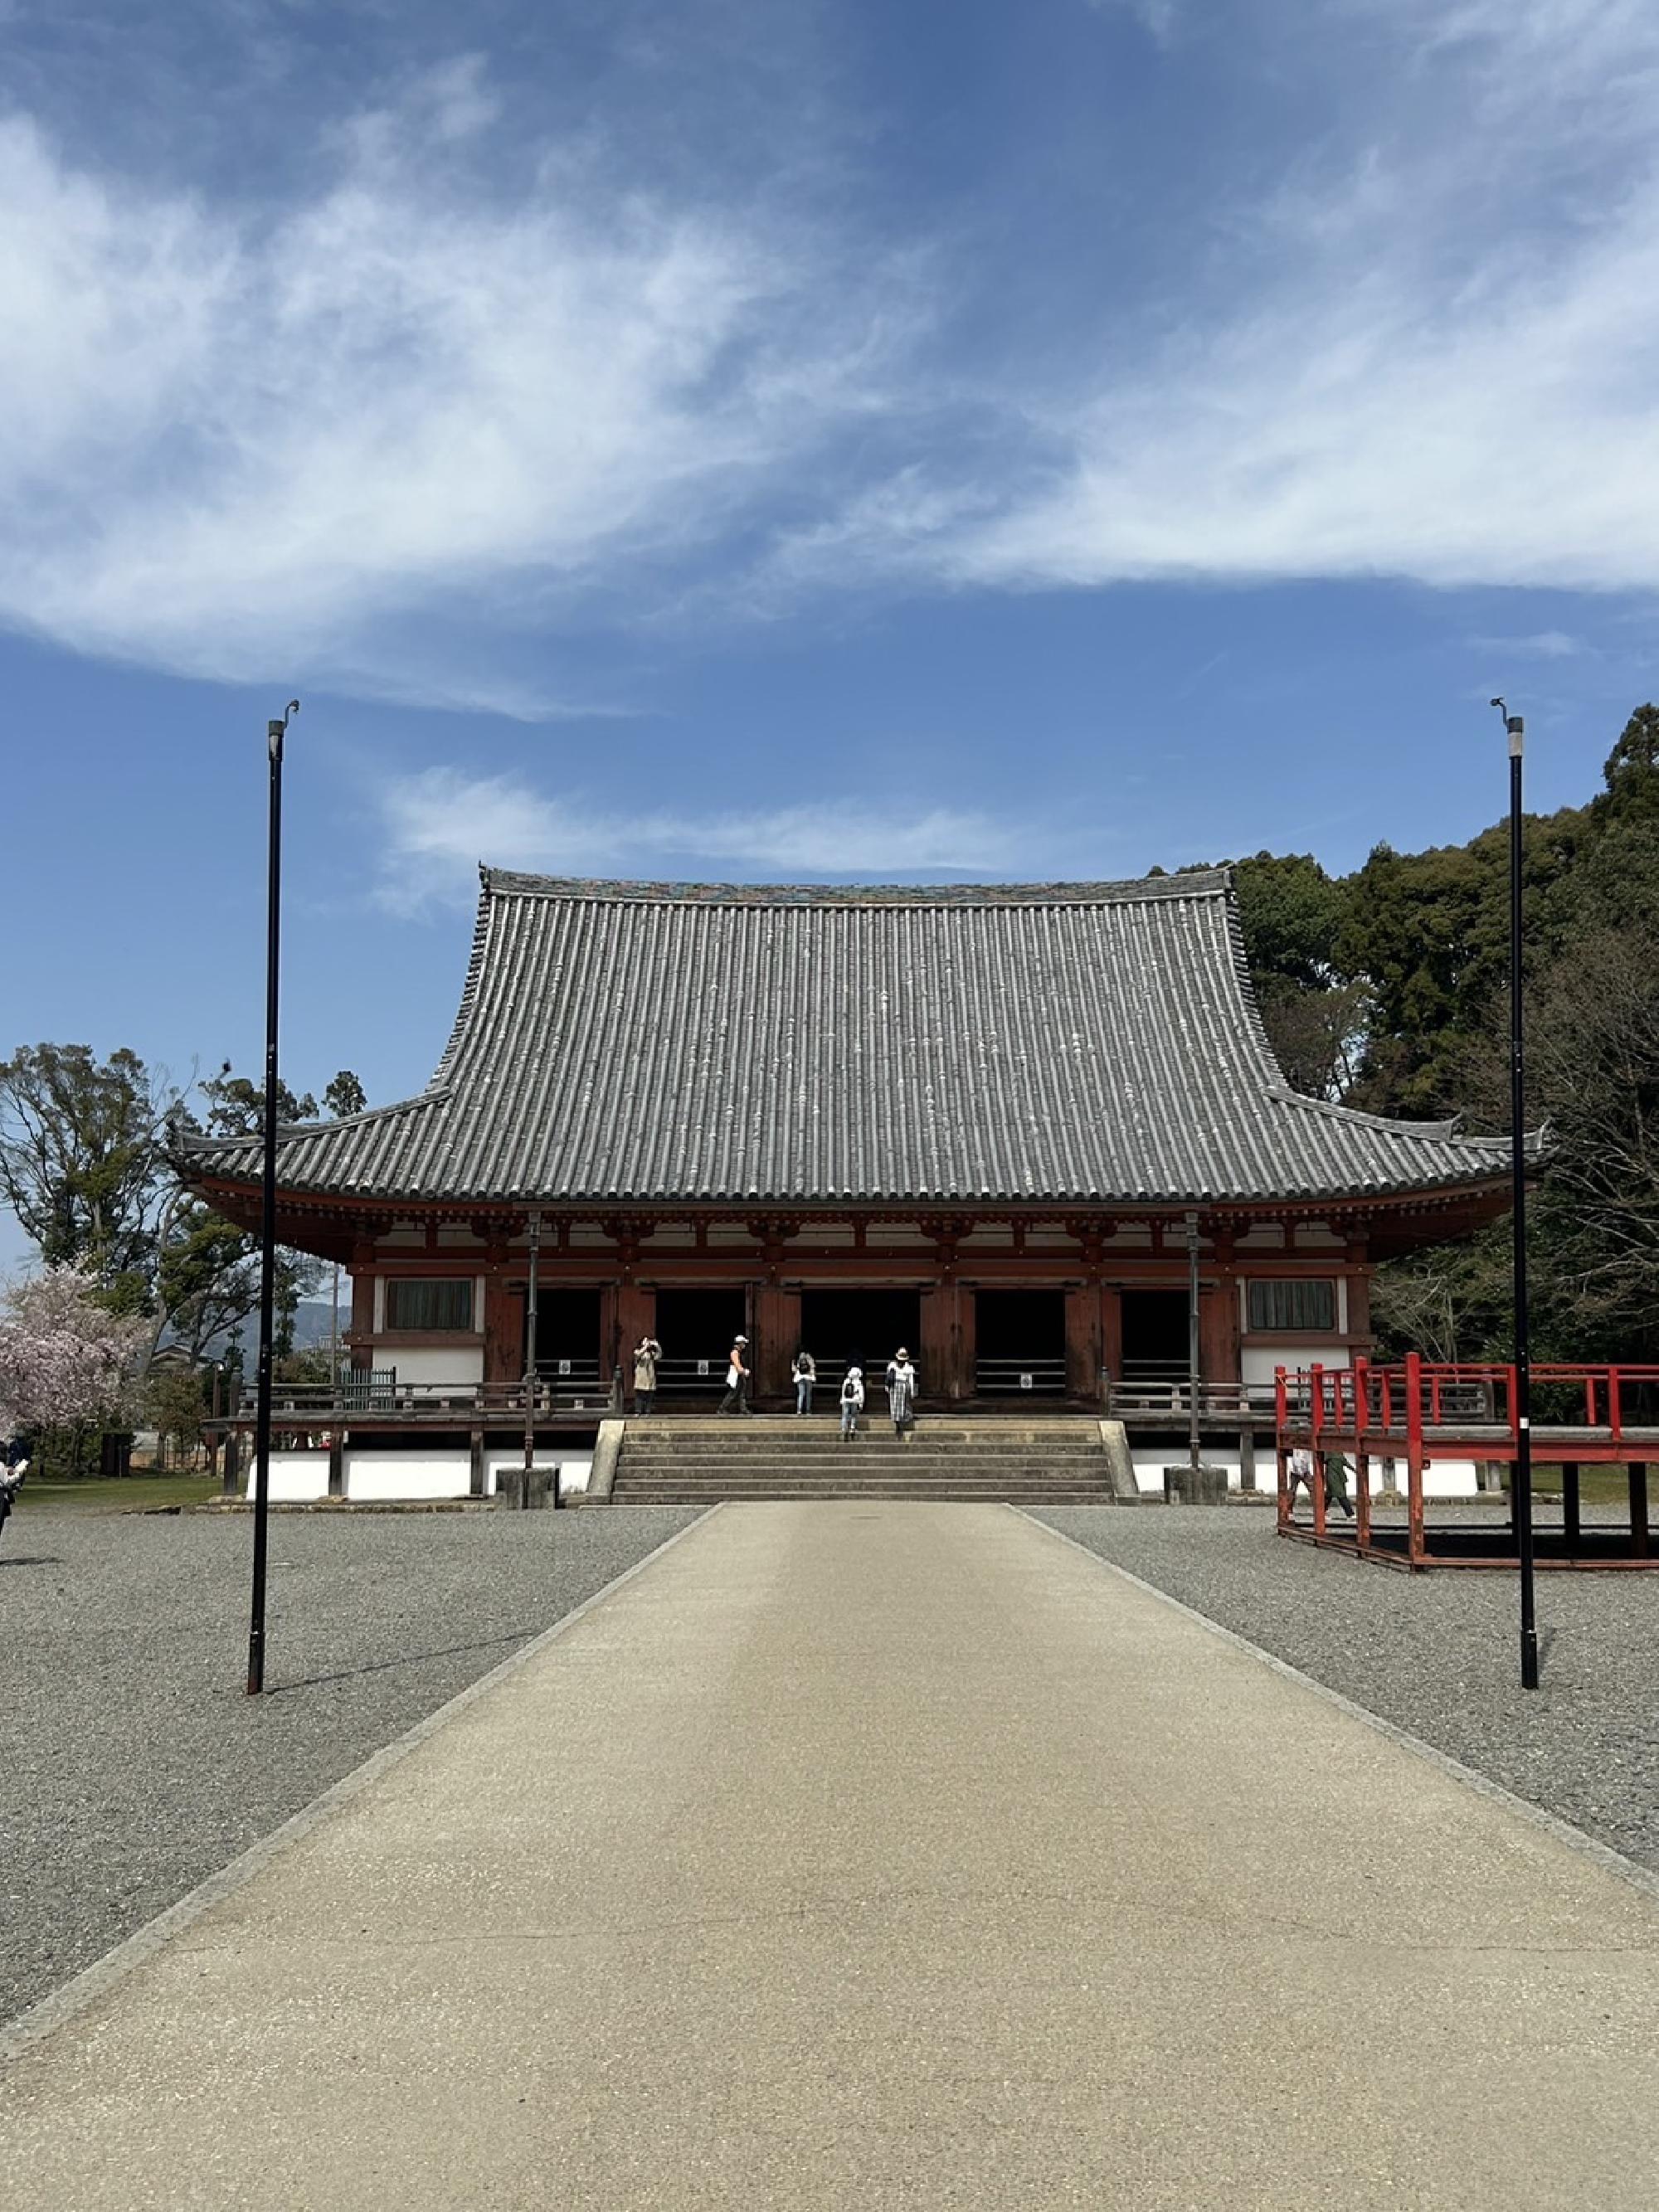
1442 1133
205 1149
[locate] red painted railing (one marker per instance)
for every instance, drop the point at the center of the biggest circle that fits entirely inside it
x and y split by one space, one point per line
1435 1405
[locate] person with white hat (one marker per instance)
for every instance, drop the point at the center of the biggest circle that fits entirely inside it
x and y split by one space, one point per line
736 1400
901 1390
852 1401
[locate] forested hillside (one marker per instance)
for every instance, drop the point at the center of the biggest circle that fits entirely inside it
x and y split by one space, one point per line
1388 989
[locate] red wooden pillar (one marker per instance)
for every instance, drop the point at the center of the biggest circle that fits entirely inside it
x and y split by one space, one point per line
1359 1296
777 1338
611 1332
936 1352
503 1345
1217 1333
1111 1332
363 1279
1084 1342
967 1339
636 1319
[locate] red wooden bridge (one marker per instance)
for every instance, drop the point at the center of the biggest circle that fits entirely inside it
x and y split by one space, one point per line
1422 1412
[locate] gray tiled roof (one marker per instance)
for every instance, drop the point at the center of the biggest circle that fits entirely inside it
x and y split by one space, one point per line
1065 1041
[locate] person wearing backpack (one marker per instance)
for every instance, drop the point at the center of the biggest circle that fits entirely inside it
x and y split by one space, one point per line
807 1374
852 1402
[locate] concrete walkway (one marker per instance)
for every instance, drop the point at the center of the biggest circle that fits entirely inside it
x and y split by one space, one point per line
872 1855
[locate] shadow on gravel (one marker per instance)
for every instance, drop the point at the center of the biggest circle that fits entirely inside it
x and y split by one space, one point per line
403 1659
31 1560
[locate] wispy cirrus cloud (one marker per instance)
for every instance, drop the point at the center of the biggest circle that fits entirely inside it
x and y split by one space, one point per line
456 383
1537 645
438 825
1412 352
237 440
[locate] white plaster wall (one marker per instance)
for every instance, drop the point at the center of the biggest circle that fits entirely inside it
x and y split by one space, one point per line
573 1472
1150 1460
1445 1478
296 1477
1259 1361
406 1474
456 1365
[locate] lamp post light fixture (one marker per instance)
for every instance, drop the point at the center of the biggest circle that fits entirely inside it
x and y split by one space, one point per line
274 733
1514 729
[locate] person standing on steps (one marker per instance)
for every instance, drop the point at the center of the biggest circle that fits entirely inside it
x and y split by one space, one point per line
736 1400
646 1353
901 1390
807 1374
852 1402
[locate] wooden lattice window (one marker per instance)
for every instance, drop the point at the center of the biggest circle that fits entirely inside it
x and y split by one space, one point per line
429 1302
1291 1304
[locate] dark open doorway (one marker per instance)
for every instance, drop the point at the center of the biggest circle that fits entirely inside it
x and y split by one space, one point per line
567 1348
1019 1344
694 1329
868 1326
1155 1324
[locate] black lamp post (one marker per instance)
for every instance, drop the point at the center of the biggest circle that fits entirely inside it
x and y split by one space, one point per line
1514 728
274 733
1194 1437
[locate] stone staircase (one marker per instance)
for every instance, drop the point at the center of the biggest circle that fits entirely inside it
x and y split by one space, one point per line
989 1460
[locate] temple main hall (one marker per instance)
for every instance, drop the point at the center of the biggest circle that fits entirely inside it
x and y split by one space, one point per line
1010 1127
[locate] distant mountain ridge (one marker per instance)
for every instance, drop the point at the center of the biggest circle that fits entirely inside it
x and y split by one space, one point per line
313 1323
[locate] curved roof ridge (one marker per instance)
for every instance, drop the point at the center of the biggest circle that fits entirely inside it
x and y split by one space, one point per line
468 1000
200 1144
513 883
1448 1132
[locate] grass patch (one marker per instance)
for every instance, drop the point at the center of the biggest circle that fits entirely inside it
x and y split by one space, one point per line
135 1493
1597 1485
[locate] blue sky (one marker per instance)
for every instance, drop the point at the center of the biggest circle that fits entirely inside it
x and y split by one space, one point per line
861 440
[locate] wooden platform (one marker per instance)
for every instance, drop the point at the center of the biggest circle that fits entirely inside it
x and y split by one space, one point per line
1423 1414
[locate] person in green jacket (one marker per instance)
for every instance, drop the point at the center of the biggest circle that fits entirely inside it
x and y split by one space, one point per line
1336 1482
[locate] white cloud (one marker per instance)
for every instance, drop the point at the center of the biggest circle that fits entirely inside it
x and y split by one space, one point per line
233 443
1540 645
317 444
1425 351
1158 17
441 823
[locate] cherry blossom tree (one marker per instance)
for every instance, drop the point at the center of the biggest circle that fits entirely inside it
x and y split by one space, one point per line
65 1360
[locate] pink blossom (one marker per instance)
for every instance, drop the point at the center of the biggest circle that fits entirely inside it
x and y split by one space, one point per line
63 1358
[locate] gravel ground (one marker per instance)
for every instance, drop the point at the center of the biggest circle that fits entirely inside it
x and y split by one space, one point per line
132 1763
1435 1653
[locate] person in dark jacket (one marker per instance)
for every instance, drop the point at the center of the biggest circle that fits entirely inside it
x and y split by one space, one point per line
1336 1483
736 1400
